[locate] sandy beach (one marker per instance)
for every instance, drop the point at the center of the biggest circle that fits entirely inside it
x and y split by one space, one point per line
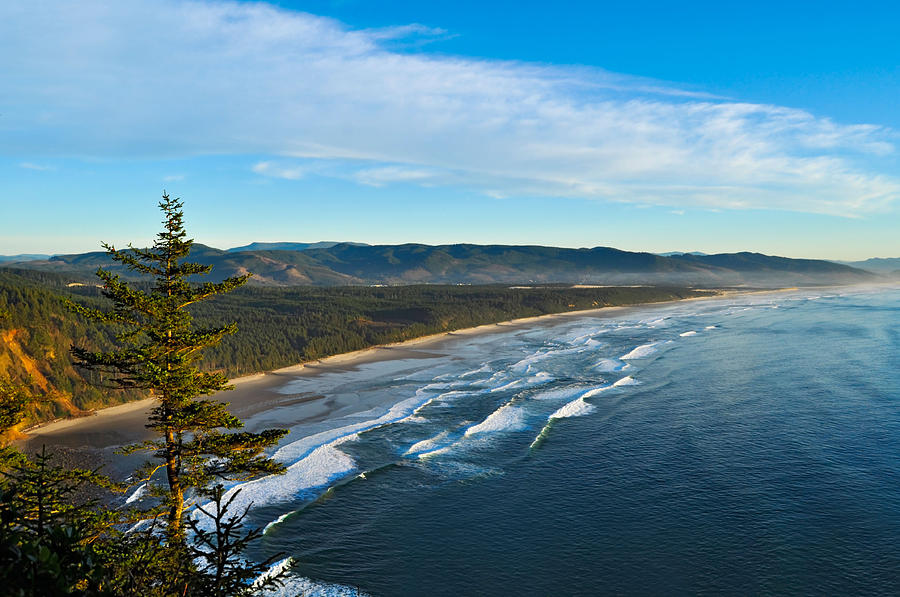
261 400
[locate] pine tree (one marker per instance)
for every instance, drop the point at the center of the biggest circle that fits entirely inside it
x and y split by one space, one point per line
159 351
48 534
14 400
217 552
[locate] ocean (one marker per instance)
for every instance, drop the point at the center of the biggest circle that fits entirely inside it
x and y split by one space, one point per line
744 445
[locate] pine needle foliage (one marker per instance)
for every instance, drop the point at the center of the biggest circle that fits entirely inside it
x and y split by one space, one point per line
159 350
48 535
219 540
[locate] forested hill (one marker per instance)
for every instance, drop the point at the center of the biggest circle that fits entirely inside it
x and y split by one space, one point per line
277 326
888 266
334 264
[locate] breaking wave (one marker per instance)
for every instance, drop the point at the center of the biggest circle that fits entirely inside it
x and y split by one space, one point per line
298 585
576 408
506 418
644 350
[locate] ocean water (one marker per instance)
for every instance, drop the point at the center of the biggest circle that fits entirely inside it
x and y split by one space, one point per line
739 446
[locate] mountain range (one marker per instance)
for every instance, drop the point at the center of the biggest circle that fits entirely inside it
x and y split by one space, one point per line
877 264
343 263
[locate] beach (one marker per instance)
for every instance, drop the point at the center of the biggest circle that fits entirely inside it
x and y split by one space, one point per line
254 396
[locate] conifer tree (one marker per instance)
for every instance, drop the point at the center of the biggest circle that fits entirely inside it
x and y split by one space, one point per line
159 351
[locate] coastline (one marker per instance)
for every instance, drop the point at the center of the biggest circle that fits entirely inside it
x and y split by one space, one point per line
256 393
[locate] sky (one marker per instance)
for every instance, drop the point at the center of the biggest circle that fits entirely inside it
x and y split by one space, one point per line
647 126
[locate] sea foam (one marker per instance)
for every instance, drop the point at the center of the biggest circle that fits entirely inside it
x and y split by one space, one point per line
644 350
298 585
610 365
506 418
138 494
575 408
427 445
277 522
316 461
558 393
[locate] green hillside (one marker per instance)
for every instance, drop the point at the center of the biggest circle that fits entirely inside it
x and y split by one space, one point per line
337 264
277 326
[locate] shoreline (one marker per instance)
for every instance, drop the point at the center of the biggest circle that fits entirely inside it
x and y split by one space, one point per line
256 393
355 357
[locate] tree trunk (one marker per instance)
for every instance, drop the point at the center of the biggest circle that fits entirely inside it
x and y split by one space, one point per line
176 492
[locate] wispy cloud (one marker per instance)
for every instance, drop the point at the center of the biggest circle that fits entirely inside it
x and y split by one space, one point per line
276 170
177 78
173 178
33 166
378 177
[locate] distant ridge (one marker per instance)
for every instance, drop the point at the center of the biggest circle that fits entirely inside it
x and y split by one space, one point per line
876 264
325 244
677 253
23 257
332 264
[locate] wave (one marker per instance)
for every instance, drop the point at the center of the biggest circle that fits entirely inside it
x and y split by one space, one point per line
558 393
322 466
644 350
575 408
485 368
507 386
427 445
611 365
540 437
541 377
137 494
711 327
586 340
525 364
299 585
315 461
506 418
655 323
686 334
277 521
579 407
435 452
294 451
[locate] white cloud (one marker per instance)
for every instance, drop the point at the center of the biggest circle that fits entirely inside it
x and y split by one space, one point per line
168 78
276 170
378 177
173 178
33 166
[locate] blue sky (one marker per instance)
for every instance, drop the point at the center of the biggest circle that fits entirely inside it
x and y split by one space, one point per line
764 126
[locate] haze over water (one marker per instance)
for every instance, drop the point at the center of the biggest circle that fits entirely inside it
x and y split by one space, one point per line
737 446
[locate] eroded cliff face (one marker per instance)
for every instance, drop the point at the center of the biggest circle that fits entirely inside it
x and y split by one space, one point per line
17 361
42 371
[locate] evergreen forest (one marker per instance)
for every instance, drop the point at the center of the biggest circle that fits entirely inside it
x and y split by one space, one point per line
277 326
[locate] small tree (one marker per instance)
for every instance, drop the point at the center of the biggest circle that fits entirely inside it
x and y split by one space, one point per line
218 550
14 399
160 349
48 535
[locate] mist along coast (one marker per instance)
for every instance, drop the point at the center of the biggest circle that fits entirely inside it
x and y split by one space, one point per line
735 444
